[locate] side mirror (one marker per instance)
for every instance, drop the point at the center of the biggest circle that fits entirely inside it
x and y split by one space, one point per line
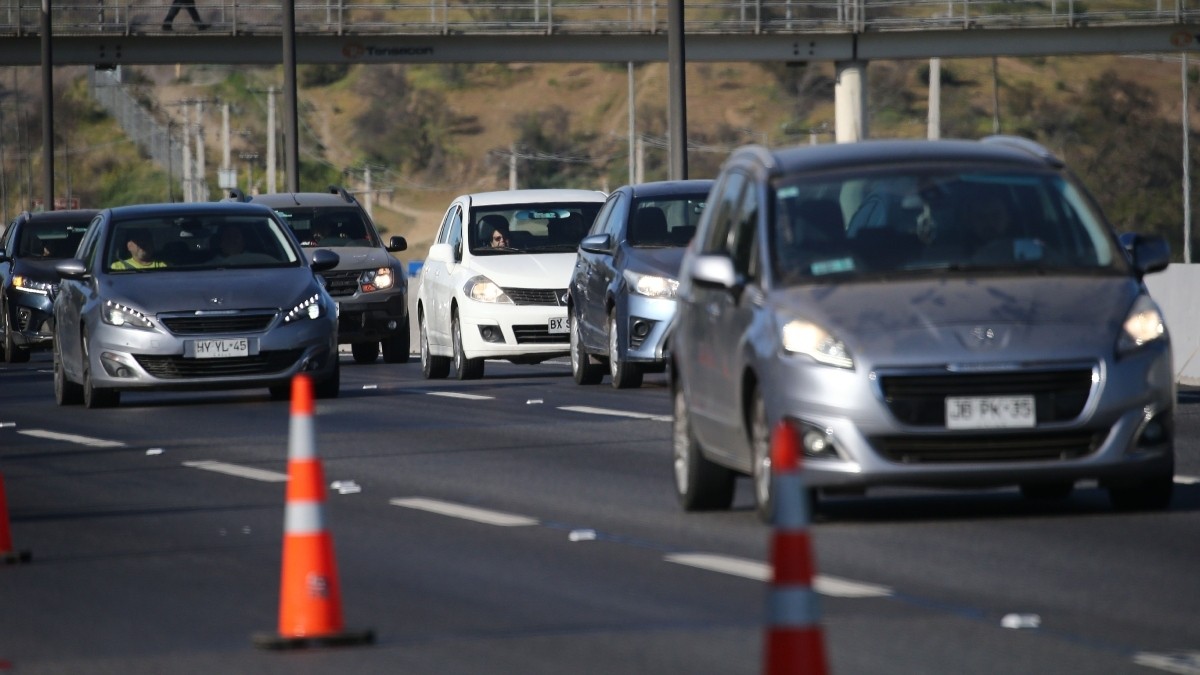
324 259
714 270
397 244
1148 253
597 243
442 253
71 268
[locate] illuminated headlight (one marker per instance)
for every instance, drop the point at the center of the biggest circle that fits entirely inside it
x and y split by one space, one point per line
804 337
483 289
309 309
376 280
651 286
24 283
1143 325
116 314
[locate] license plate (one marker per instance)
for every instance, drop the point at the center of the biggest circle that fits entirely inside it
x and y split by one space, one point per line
990 412
220 348
558 324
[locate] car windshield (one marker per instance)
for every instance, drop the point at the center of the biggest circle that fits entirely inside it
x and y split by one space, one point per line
664 222
40 239
913 221
329 227
530 228
205 241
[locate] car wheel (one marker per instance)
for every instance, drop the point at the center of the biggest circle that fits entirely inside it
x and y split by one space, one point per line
330 386
1052 491
1152 494
432 367
464 368
700 484
12 353
396 349
624 375
365 352
582 368
93 396
66 392
760 448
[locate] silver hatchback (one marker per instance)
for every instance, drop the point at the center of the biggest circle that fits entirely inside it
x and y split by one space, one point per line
944 314
191 296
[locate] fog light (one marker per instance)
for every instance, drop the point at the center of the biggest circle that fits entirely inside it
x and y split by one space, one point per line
817 442
491 334
640 328
114 365
1156 430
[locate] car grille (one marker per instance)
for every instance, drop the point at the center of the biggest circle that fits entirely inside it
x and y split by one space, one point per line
537 334
177 367
537 296
211 324
920 400
993 447
341 284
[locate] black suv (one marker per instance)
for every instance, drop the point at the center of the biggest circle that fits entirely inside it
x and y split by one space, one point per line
369 284
29 248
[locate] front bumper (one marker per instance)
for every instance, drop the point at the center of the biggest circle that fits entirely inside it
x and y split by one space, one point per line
31 316
513 331
646 321
363 320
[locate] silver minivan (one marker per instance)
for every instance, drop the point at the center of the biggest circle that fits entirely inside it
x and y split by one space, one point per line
923 313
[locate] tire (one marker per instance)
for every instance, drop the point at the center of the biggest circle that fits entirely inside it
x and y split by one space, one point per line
464 368
93 396
432 367
582 368
365 352
396 349
12 352
700 484
760 449
1052 491
331 386
66 392
1152 494
625 375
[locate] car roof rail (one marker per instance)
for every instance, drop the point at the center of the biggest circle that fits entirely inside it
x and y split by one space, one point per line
1028 145
236 195
343 193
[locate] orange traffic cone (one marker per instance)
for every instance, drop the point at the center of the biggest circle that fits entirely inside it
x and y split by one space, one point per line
310 606
794 640
7 554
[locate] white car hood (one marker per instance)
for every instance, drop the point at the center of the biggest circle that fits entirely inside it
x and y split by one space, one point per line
535 270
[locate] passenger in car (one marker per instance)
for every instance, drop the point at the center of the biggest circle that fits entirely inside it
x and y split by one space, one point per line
140 246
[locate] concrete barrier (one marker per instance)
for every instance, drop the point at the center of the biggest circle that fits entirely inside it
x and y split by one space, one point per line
1174 289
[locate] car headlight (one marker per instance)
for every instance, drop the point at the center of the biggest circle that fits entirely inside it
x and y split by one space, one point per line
308 309
24 283
116 314
651 286
1143 325
805 337
376 280
483 289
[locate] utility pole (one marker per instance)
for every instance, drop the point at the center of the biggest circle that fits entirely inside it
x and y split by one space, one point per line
47 110
270 140
677 86
369 201
512 166
935 99
201 189
632 116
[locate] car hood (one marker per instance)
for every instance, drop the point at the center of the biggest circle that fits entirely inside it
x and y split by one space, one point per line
537 270
658 261
40 269
357 257
977 319
184 291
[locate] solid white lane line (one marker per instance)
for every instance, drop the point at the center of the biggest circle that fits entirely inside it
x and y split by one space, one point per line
760 571
240 471
1184 663
1187 480
72 438
484 516
459 394
589 410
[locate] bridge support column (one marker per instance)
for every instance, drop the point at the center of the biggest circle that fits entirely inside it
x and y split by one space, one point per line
850 101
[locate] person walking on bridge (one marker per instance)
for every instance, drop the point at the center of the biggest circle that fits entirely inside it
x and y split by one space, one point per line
190 6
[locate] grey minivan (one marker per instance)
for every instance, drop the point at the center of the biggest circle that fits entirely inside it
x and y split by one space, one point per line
923 313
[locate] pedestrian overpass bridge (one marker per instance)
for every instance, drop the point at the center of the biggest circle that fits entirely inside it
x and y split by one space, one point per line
114 32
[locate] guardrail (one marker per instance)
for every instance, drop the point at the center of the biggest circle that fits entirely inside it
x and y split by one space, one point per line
536 17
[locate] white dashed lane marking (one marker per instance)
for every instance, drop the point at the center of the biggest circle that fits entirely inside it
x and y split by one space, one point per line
760 571
459 394
240 471
72 438
588 410
464 512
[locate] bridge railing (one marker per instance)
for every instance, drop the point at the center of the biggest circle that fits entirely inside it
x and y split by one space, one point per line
516 17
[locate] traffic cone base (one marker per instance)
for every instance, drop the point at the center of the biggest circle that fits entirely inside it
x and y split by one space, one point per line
342 639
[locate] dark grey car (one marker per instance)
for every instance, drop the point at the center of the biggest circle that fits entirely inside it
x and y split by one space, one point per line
622 292
943 314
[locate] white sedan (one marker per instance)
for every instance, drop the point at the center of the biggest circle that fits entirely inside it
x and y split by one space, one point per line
494 285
